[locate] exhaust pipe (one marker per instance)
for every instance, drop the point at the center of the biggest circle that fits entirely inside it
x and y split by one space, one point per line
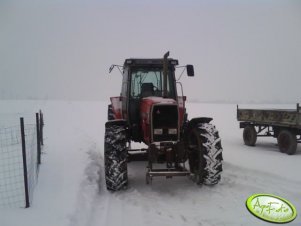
165 74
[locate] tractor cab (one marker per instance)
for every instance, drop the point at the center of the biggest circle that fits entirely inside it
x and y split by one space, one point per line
144 79
147 80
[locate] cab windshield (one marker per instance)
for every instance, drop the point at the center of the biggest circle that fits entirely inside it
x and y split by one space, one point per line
149 82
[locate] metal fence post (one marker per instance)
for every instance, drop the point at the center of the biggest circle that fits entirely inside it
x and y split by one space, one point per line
41 128
24 163
38 138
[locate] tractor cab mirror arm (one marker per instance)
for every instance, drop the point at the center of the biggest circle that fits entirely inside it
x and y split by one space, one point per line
189 68
115 65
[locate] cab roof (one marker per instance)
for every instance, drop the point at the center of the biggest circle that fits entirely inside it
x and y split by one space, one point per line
150 62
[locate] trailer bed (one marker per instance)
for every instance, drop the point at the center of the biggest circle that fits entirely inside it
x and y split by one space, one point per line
271 117
283 124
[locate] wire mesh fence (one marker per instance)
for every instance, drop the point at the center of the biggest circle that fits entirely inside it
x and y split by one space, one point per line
11 168
20 148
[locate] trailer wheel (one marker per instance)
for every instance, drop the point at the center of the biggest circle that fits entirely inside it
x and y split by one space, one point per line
250 135
287 142
115 157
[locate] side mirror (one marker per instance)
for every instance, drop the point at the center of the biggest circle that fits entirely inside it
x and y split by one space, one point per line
190 70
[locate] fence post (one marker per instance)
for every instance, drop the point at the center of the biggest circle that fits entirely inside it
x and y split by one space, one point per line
24 163
38 138
41 128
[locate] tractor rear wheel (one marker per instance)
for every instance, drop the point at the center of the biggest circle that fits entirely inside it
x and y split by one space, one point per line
205 154
115 156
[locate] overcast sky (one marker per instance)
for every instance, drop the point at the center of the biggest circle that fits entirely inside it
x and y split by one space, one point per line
243 51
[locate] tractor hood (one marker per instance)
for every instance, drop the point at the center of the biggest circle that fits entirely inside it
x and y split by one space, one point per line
161 113
147 103
157 100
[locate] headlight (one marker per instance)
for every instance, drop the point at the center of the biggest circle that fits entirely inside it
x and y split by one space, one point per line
158 131
172 131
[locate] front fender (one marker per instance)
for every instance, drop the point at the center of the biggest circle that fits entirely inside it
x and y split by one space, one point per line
193 122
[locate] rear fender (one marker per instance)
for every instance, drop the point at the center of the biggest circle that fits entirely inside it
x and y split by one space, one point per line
182 109
117 122
117 107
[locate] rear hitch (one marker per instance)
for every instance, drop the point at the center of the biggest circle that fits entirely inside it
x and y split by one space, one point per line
168 173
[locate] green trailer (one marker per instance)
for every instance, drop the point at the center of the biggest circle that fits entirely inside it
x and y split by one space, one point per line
283 124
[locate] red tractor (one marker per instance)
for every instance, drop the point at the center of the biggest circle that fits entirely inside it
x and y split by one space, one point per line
151 111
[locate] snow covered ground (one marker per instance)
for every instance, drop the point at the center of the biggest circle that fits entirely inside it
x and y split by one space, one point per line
71 187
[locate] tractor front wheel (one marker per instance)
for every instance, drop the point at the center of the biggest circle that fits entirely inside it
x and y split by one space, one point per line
115 156
205 154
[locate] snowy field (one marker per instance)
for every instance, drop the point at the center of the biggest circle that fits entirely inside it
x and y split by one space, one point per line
71 186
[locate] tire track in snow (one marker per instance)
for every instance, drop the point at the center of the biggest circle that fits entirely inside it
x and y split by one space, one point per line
97 206
89 199
173 202
181 202
258 180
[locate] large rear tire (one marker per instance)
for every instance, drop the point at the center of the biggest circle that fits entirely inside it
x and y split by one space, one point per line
115 157
287 142
250 135
205 154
